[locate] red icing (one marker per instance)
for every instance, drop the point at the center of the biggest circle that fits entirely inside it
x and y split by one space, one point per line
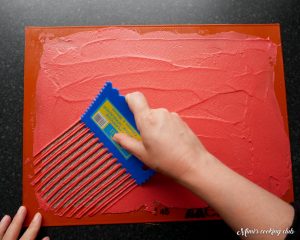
221 85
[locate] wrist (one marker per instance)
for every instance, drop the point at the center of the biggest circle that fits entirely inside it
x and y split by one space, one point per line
200 171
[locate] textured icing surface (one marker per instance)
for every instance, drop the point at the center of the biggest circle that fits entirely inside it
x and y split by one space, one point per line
221 85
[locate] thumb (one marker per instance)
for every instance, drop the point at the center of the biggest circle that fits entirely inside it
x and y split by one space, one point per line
131 144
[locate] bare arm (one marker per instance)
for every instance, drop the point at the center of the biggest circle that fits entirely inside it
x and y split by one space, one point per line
169 146
241 203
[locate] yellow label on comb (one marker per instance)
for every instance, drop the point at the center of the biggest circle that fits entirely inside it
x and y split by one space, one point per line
111 121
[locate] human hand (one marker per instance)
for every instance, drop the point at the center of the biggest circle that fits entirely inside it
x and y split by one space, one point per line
168 145
10 230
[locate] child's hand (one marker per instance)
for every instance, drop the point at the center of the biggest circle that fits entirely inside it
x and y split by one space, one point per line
10 230
168 145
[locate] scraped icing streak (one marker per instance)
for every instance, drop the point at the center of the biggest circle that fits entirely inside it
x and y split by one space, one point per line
221 85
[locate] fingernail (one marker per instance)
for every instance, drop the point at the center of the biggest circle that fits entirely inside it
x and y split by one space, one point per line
21 210
115 136
128 96
46 238
37 217
138 96
4 219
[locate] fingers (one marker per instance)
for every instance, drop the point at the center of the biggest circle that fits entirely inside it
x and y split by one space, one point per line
137 104
14 228
4 225
33 228
132 145
11 231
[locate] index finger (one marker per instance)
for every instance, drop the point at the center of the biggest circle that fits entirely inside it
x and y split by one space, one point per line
137 104
33 228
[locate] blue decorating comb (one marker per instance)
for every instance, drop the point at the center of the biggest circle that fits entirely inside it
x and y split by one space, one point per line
83 171
109 114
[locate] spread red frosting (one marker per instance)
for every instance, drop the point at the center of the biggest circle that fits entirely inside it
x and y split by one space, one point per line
221 85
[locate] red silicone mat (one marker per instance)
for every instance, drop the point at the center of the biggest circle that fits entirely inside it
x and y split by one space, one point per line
33 52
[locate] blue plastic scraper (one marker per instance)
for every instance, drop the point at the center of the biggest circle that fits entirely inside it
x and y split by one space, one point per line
109 114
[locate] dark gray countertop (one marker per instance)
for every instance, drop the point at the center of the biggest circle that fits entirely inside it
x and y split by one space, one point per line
16 14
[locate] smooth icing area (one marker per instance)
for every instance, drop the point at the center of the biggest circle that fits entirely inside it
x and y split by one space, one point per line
221 85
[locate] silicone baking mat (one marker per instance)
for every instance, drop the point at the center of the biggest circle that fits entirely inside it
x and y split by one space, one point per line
33 53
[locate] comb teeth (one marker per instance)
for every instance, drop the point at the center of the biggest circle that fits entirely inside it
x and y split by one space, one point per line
76 176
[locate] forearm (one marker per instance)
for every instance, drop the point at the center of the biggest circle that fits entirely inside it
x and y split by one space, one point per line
241 203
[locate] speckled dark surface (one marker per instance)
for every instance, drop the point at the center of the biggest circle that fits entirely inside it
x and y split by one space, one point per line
16 14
